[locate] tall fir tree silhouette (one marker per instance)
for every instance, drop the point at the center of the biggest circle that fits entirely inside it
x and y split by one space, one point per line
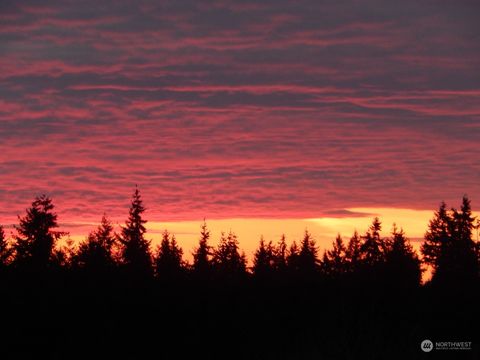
227 259
293 257
308 255
96 253
168 259
353 253
202 253
464 261
5 249
135 249
436 238
449 247
334 261
373 247
264 259
36 237
280 252
477 241
402 267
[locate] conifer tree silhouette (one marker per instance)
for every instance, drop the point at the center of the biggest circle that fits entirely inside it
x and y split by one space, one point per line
293 256
227 258
135 249
373 247
449 247
280 254
263 259
464 261
95 254
335 260
5 250
402 263
168 259
202 253
36 239
477 241
436 237
308 255
353 253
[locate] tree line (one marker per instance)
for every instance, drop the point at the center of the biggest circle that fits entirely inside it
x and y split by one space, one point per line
116 295
449 249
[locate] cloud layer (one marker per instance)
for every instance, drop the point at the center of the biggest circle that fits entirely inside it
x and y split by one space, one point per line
238 109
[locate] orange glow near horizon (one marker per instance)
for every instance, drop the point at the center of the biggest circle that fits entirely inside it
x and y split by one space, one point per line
249 230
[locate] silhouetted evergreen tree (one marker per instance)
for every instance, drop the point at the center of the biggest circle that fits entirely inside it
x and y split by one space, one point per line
168 259
280 254
308 255
449 246
95 253
36 239
402 263
335 260
463 250
477 243
373 247
202 254
5 250
264 260
135 250
293 256
353 253
227 259
436 237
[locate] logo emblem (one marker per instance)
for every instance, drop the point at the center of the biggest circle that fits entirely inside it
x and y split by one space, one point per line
426 346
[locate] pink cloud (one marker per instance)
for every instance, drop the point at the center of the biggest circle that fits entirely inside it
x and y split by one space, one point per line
235 109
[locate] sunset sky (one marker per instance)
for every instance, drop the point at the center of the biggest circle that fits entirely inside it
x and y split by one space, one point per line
262 116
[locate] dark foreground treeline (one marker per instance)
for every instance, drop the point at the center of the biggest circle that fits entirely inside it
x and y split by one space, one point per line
113 297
